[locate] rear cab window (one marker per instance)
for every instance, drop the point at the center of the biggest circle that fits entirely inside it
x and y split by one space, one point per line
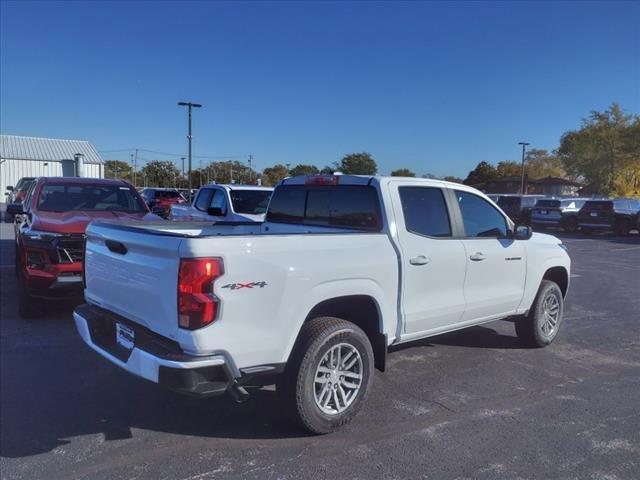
344 206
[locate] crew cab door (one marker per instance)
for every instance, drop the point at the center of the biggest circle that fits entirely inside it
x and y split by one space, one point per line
496 264
433 262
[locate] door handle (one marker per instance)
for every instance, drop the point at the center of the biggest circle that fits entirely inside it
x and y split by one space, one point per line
419 260
477 257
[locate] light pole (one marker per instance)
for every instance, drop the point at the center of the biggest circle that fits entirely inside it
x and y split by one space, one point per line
524 146
182 158
189 106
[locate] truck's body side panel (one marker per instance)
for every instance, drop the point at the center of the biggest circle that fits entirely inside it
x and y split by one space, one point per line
271 283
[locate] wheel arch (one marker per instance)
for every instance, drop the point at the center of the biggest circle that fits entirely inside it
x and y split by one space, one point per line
362 310
560 276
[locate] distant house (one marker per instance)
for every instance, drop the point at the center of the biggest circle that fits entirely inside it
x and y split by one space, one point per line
551 186
554 186
52 157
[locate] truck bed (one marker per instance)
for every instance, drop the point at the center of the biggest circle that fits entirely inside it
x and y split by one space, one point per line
290 269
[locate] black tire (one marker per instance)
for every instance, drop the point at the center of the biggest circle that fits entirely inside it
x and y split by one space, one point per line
533 330
27 305
623 227
297 387
570 225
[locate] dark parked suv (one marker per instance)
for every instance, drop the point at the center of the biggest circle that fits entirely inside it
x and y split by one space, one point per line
617 215
518 207
557 212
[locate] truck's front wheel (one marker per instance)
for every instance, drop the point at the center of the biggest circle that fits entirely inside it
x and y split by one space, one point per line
540 327
329 374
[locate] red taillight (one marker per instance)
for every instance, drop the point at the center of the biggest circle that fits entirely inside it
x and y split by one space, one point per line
197 305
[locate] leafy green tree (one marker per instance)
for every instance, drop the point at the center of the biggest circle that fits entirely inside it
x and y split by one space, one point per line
231 171
160 174
430 175
605 151
302 169
450 178
272 175
117 169
357 164
540 163
482 173
403 172
508 168
327 170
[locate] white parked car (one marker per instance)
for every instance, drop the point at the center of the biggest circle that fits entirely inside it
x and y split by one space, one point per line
228 203
342 268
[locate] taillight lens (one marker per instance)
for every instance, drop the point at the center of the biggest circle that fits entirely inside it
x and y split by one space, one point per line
197 305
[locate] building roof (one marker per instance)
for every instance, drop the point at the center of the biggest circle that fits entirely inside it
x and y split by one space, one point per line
554 181
15 147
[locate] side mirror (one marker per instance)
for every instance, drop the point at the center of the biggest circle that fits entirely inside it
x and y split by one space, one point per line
522 232
215 212
10 188
15 209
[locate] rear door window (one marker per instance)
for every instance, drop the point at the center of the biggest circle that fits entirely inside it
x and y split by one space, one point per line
425 211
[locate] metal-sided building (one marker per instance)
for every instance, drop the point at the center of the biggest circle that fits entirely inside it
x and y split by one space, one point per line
46 157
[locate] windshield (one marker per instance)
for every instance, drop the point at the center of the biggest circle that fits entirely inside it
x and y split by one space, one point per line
252 202
97 198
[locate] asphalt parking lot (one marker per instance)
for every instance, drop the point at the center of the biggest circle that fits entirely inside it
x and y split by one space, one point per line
473 404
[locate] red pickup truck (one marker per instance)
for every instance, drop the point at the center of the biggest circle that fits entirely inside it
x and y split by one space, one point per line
50 230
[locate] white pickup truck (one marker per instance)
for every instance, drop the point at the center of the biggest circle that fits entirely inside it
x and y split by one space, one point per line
228 203
342 268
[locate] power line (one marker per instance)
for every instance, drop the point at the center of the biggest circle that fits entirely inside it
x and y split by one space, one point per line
178 155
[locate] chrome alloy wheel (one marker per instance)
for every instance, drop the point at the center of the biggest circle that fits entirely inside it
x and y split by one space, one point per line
338 378
550 314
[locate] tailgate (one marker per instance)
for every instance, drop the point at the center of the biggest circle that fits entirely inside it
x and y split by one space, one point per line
135 274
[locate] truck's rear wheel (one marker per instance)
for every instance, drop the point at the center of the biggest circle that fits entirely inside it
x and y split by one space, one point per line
540 327
329 374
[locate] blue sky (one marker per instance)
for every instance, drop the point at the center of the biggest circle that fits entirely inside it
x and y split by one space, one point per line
435 87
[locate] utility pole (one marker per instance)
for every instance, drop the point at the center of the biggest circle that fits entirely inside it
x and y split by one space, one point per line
524 146
189 106
182 158
132 169
250 169
135 165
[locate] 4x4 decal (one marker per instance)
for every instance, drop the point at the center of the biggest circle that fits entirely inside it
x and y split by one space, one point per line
237 286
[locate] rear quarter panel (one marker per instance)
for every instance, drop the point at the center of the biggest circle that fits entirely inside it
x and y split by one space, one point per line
271 283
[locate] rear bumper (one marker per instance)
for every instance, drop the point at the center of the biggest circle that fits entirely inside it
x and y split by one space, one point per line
154 358
546 221
606 226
